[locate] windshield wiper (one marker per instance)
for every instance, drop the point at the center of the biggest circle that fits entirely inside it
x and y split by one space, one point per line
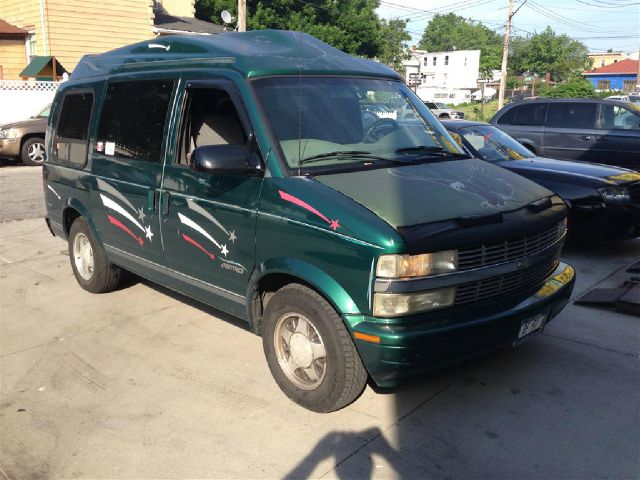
347 154
423 149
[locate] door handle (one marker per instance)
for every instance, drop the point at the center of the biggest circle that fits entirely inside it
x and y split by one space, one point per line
151 201
165 202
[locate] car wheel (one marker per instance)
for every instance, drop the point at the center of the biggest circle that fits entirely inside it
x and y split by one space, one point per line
33 152
89 262
444 115
310 352
530 148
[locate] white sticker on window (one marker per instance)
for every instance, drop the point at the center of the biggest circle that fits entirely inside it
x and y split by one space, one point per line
109 148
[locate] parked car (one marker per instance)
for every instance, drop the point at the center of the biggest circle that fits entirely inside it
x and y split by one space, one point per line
587 129
24 140
254 187
622 98
604 200
442 110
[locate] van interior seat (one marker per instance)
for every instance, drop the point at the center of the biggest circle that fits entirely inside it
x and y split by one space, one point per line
216 130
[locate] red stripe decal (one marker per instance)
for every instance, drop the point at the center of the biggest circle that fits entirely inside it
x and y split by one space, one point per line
196 244
123 227
301 203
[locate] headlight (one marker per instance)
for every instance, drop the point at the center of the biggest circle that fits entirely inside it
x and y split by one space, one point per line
614 194
402 266
397 304
10 133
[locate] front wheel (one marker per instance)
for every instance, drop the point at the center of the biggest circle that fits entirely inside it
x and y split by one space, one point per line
33 152
90 266
310 352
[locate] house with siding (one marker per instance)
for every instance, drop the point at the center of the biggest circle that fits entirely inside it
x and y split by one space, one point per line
621 75
69 29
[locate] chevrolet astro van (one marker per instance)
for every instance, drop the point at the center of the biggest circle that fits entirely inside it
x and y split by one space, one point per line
240 170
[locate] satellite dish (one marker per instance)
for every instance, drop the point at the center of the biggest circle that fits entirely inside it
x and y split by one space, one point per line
226 16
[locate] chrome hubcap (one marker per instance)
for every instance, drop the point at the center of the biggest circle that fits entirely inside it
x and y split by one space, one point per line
300 351
83 256
35 152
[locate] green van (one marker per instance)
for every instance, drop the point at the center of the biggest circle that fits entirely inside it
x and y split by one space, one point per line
249 171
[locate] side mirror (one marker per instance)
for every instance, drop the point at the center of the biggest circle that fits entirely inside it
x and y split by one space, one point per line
226 160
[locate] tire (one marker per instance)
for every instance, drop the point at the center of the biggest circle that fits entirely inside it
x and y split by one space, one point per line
327 383
89 262
444 116
530 148
33 152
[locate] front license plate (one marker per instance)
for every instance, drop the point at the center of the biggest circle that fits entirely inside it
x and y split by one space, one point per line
531 325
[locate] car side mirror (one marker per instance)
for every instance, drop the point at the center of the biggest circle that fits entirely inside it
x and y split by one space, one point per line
226 160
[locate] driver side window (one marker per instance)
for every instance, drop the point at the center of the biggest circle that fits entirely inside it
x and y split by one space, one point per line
209 118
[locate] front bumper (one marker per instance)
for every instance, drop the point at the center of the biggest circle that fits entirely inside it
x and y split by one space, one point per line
425 344
9 147
604 221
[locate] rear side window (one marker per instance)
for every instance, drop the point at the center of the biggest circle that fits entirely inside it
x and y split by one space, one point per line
572 115
72 132
525 114
615 117
133 119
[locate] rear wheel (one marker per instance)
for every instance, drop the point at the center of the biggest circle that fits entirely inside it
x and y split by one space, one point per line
33 152
89 262
310 352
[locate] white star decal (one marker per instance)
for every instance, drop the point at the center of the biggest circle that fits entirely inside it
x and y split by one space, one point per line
224 250
232 236
141 214
148 233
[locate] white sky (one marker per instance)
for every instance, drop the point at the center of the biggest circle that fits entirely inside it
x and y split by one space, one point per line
600 24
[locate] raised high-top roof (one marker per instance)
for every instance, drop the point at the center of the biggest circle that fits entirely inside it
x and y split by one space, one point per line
253 54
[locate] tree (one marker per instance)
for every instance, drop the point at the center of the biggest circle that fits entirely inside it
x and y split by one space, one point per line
559 55
575 86
394 49
349 25
453 32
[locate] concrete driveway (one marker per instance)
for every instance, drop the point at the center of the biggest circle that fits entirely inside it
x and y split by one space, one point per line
143 383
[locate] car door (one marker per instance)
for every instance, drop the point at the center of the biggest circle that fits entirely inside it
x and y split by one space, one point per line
618 140
127 166
209 219
570 131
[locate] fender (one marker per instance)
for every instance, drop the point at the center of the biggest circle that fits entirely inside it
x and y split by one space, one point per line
528 141
323 283
77 205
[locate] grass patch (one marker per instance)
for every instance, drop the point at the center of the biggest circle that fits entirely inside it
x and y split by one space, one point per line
472 110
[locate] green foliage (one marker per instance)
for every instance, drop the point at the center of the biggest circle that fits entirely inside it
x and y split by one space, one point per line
546 52
394 48
575 86
446 32
349 25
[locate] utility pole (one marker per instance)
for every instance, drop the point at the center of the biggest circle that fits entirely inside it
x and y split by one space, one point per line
242 15
505 55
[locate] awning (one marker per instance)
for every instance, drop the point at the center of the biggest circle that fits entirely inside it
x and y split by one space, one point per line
41 67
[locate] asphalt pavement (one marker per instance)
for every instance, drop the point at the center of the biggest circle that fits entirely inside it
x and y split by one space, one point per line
144 383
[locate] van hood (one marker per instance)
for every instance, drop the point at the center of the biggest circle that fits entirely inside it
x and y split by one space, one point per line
416 194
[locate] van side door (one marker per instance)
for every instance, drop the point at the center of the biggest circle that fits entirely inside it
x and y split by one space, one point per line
570 131
209 217
127 167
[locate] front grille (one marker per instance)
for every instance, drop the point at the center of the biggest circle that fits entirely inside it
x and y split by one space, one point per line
510 285
634 192
508 250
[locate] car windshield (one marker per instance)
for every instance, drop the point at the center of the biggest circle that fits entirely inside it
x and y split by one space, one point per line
442 106
44 113
491 144
322 122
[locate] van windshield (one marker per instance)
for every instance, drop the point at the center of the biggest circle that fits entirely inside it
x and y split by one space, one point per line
322 122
